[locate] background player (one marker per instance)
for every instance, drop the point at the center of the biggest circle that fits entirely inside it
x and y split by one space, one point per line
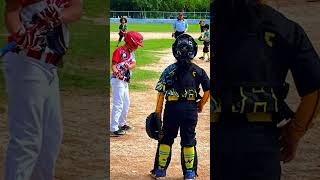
123 60
206 42
123 27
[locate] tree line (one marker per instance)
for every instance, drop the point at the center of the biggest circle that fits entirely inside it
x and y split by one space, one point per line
161 5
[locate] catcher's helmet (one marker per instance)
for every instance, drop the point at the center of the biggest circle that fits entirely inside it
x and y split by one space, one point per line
133 39
184 48
153 126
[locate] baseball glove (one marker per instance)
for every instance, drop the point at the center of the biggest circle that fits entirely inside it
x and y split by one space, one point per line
153 126
56 42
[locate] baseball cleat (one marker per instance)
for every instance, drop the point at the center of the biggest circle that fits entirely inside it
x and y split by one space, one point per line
158 173
125 127
120 132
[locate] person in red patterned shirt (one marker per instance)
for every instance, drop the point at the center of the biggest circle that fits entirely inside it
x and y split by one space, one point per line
32 83
123 61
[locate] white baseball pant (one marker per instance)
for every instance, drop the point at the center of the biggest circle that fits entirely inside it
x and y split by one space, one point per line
120 103
34 118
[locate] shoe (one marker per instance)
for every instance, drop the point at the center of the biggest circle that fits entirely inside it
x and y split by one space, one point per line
120 132
201 58
158 173
190 175
125 127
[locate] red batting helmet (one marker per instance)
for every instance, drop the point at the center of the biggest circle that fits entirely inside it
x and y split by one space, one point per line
133 39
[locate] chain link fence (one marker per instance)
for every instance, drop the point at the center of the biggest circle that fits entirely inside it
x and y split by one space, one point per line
158 14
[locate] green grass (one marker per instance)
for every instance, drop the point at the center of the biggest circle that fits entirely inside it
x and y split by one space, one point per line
95 8
148 54
153 27
2 28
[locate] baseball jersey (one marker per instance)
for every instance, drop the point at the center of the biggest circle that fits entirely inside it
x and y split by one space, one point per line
123 27
285 39
168 79
120 57
31 17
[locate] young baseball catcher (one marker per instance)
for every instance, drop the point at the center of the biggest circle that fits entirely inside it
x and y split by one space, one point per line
38 40
179 85
123 27
123 61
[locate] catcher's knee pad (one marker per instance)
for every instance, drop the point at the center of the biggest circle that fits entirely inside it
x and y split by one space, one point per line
189 159
163 156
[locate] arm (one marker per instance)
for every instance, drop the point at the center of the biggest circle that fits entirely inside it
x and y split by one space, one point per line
307 111
12 16
132 65
160 99
114 67
203 100
73 12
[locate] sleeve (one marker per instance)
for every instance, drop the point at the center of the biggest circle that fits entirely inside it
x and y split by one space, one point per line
174 25
161 85
120 26
116 57
305 65
126 27
204 80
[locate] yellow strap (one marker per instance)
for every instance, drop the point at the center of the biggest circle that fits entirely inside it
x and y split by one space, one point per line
173 98
160 99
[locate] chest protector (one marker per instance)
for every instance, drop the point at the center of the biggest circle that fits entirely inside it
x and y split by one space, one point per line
249 79
185 84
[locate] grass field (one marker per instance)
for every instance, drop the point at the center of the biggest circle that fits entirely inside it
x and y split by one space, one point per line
145 55
153 27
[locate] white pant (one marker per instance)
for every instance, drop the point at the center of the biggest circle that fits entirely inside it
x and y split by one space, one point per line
120 103
34 118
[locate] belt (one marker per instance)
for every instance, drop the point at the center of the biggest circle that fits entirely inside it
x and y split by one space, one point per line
250 117
176 98
125 79
49 58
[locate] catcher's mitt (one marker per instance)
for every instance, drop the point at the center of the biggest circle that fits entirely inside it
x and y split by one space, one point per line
153 126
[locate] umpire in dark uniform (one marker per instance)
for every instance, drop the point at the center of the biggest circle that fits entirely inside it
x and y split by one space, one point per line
255 47
179 85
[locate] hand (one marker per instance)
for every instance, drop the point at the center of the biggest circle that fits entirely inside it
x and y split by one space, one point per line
126 66
200 107
32 37
158 114
288 146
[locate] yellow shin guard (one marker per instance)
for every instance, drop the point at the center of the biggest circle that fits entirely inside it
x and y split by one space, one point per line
189 155
164 153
